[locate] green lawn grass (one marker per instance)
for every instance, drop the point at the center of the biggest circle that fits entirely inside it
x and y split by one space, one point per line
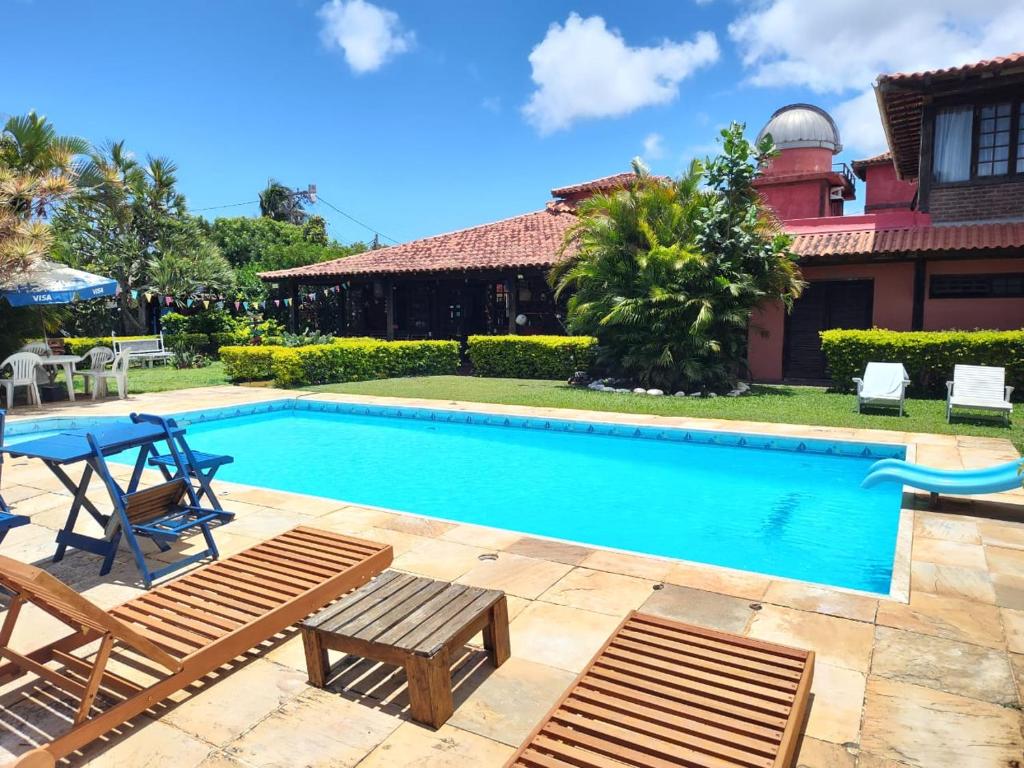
779 404
163 378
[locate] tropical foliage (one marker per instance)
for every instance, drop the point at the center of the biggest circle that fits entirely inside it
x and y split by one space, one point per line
38 169
666 273
279 203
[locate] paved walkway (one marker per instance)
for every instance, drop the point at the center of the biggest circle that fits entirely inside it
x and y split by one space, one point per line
936 681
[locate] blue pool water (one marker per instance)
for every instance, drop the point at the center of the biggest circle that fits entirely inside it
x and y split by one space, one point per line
794 510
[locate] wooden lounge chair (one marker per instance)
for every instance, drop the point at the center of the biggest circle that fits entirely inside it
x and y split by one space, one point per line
183 630
662 693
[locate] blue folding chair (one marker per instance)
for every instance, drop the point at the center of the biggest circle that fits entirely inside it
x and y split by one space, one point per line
162 513
8 519
202 466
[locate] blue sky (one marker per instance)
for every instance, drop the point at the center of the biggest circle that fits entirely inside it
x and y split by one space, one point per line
422 117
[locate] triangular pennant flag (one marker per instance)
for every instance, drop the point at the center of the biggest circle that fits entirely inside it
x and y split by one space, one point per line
134 294
149 296
277 302
238 305
206 303
169 300
189 302
245 304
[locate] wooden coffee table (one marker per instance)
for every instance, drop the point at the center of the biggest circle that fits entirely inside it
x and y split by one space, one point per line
411 622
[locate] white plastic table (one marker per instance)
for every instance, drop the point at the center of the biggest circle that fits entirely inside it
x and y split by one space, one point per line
67 362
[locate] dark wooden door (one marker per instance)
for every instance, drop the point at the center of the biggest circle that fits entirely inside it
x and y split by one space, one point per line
823 305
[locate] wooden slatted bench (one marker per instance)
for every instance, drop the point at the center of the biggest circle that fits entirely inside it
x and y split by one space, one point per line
412 622
662 693
181 631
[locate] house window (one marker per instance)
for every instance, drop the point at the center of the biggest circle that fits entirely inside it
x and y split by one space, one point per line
993 140
999 286
982 141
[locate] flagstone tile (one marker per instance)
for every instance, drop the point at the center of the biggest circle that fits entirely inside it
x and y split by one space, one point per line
1013 623
560 636
351 519
841 642
815 753
550 549
627 564
32 506
953 581
951 618
263 524
750 586
808 597
218 759
481 536
307 506
946 528
515 574
317 729
945 665
925 728
1017 665
837 698
400 542
1002 534
440 559
14 493
1009 590
949 553
152 744
1009 562
507 703
447 747
695 606
599 591
223 711
228 543
419 526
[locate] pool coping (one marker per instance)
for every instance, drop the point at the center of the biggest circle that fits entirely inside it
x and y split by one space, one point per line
900 580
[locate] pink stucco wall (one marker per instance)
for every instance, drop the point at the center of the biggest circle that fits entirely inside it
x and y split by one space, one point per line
996 314
892 307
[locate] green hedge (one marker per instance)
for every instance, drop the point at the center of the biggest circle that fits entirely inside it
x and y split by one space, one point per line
928 356
531 357
343 360
81 344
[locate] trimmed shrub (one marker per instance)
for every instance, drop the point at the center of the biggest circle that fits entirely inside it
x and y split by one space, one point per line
531 357
342 360
928 356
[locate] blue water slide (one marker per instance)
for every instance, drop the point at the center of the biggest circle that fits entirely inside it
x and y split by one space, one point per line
1002 477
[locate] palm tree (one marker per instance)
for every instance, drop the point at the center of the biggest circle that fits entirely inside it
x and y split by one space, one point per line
38 169
281 204
666 273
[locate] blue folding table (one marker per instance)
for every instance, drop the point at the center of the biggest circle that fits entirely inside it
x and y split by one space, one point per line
65 449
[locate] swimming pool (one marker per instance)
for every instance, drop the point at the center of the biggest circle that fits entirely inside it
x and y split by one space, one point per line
779 506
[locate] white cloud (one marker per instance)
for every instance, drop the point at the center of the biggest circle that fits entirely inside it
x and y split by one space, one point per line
492 104
839 47
654 146
368 34
582 69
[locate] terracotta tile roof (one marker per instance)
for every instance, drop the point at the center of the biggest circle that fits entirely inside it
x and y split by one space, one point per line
867 242
604 184
901 97
975 68
529 240
860 166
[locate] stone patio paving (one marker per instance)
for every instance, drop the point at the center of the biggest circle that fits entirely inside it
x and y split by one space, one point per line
936 681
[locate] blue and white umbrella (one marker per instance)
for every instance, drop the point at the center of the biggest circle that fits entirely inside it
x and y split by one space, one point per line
48 282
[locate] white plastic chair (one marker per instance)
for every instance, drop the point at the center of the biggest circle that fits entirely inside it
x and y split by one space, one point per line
979 386
883 384
118 372
41 348
99 358
23 367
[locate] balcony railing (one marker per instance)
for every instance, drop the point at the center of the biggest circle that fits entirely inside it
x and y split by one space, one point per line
844 170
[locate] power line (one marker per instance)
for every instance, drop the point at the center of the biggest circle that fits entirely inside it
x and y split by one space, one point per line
357 221
229 205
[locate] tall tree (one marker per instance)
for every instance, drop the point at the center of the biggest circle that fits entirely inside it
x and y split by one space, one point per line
279 203
666 273
38 170
135 228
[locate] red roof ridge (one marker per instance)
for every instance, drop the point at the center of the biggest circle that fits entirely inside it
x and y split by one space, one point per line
604 182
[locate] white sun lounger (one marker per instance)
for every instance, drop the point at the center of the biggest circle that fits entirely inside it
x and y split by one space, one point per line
980 387
883 384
